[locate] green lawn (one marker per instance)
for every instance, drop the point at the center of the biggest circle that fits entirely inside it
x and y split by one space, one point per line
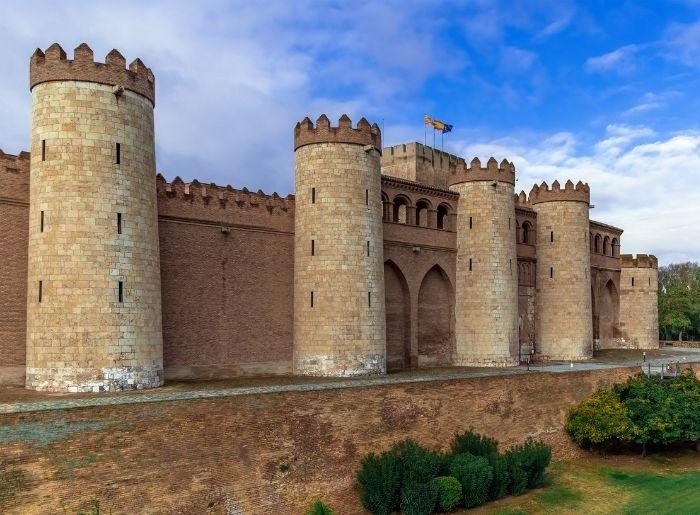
620 484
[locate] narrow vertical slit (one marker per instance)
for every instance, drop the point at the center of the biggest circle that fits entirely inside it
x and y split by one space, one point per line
368 248
41 222
551 236
118 154
551 272
43 150
470 222
41 284
367 197
121 291
633 281
470 264
369 299
312 299
313 247
313 195
119 223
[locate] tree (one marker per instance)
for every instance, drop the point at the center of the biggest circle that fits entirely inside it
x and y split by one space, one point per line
679 301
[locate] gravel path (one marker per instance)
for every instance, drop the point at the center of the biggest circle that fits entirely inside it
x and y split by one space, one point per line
675 355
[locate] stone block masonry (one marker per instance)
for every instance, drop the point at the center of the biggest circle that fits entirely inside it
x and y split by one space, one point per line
639 298
564 328
339 312
94 299
486 307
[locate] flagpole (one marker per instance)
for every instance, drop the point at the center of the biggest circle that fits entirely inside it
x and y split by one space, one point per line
433 145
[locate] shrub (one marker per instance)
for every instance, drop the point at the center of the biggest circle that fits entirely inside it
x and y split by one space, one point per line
379 480
601 421
418 464
474 443
474 474
449 492
517 477
532 458
319 508
500 480
418 498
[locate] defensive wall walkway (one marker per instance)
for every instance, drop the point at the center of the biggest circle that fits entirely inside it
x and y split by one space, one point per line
18 400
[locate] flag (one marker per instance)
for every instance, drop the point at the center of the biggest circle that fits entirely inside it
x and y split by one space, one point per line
437 124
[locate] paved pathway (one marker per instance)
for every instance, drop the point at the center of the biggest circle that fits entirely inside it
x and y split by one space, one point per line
676 355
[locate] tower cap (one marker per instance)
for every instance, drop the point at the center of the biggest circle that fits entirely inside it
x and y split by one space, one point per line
53 65
305 133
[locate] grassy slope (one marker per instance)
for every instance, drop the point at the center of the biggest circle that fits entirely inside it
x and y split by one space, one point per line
620 484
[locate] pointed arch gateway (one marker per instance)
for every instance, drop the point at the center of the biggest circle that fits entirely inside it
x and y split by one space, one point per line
436 340
608 312
398 317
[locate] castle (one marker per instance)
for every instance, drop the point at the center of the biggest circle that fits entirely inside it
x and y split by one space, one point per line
113 278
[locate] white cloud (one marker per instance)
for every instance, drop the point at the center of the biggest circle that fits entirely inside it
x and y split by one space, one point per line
620 60
642 183
233 78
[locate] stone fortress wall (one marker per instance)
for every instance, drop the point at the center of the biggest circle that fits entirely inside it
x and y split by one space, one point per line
235 266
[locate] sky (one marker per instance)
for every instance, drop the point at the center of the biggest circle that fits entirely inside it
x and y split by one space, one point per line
604 92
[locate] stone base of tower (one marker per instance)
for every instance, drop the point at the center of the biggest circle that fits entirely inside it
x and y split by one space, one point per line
485 361
564 356
108 379
339 366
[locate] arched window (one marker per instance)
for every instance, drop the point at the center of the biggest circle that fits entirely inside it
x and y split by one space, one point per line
400 210
422 207
598 244
527 233
614 248
442 211
606 246
386 208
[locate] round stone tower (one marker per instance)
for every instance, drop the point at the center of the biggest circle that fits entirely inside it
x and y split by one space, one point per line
564 327
94 307
339 320
639 301
486 290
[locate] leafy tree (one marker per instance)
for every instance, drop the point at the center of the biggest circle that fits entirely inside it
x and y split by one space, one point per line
600 422
679 301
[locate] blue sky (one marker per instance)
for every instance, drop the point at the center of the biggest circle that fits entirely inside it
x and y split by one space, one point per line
599 91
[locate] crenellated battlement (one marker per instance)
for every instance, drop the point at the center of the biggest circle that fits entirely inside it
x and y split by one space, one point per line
639 261
505 172
53 65
305 133
543 193
14 176
521 200
224 196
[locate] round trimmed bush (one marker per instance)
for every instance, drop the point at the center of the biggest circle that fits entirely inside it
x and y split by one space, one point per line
418 464
449 492
474 474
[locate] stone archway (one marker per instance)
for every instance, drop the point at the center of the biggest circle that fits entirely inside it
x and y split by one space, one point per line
398 318
436 342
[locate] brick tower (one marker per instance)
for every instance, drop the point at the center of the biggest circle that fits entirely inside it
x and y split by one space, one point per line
564 328
639 301
486 291
93 306
339 317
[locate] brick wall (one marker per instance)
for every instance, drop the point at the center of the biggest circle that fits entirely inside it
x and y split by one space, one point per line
270 453
14 216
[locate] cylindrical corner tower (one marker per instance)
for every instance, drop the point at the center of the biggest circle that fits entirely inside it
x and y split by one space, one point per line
486 290
564 327
639 301
339 320
94 307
